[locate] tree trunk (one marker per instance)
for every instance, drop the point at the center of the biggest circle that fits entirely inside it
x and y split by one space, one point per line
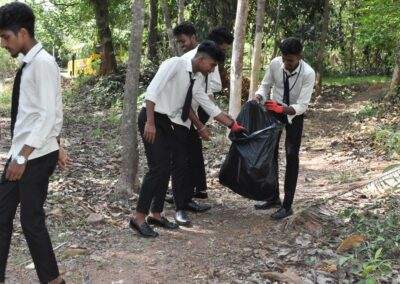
181 11
108 62
153 36
256 58
276 30
321 49
353 8
395 83
128 128
237 57
168 24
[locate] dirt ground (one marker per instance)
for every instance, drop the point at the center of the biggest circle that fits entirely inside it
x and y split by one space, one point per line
232 243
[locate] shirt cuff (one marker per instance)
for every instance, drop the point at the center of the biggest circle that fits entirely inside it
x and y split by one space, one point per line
214 112
150 97
299 109
263 99
34 141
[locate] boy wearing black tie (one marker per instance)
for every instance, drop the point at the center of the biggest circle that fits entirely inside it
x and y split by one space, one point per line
36 120
164 126
292 82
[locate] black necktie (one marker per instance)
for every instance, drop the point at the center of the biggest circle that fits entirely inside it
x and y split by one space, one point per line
286 87
15 98
188 100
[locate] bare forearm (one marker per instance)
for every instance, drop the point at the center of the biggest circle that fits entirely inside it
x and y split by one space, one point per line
224 119
195 119
26 151
289 110
150 111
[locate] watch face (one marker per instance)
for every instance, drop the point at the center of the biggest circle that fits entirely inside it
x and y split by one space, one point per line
20 160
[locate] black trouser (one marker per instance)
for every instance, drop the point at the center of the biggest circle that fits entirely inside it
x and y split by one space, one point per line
168 154
155 182
197 168
199 180
292 147
182 188
31 192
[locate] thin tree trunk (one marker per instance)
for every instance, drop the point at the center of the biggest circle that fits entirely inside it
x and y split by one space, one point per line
181 11
108 62
352 40
237 57
276 30
321 49
128 128
256 58
153 36
395 83
168 23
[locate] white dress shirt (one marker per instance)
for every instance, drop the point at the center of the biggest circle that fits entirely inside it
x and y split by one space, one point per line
301 85
169 87
39 118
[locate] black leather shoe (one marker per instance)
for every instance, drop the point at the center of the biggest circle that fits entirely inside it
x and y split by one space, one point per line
163 223
169 198
144 230
282 213
268 204
197 207
182 218
201 195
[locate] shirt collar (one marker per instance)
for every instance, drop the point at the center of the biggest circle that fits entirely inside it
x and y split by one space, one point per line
32 53
189 66
295 71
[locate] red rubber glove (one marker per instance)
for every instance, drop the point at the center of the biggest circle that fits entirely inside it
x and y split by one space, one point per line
236 127
274 106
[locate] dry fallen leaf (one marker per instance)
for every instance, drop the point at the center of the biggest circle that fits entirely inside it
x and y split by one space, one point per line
350 242
288 276
328 266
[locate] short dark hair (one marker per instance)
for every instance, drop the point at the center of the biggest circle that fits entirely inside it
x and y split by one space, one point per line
211 49
185 28
220 36
291 45
15 16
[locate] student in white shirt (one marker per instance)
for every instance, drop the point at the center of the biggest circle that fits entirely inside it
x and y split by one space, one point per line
292 82
36 120
185 34
223 38
164 126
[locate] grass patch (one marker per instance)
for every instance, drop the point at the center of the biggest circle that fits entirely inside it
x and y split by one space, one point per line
380 224
369 110
355 80
343 177
387 138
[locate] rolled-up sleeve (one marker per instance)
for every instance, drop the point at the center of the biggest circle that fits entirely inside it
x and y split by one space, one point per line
214 82
265 87
205 102
305 94
46 94
166 71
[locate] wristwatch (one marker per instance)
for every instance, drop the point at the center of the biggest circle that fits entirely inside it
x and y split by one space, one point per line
21 160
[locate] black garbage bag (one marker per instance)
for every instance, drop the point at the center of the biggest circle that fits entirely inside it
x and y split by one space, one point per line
249 168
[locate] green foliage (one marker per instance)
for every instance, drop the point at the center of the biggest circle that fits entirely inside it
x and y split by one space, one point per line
5 98
387 138
70 27
8 65
355 80
376 256
343 177
106 91
369 110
